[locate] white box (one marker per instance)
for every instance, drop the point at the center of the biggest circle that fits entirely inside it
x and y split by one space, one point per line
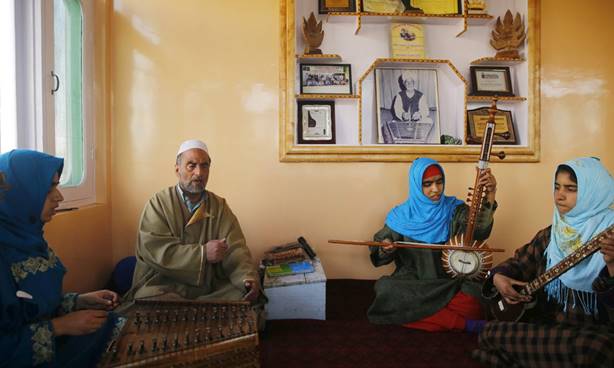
300 296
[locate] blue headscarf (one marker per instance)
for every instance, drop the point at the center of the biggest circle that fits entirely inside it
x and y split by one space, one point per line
28 175
419 217
591 215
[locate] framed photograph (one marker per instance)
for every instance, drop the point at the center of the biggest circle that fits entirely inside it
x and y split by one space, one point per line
383 6
407 106
327 6
490 81
505 132
316 122
438 6
326 79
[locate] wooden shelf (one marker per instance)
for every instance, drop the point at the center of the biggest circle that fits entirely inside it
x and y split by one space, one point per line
491 60
499 98
325 97
469 19
318 57
426 17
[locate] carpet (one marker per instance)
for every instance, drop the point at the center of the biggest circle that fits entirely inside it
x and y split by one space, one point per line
347 339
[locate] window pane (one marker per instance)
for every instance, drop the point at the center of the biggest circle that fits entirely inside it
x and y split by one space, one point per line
68 66
8 119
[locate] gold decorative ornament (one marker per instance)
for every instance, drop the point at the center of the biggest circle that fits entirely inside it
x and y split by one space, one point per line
313 35
476 6
508 36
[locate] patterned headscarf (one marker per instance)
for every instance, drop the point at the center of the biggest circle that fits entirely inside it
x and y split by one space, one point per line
419 217
591 215
28 176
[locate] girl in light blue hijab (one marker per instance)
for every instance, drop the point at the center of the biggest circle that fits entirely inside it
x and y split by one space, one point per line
420 294
420 217
573 226
571 320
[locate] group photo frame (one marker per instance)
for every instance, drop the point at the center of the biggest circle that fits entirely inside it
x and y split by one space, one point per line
326 79
407 106
491 81
315 122
505 131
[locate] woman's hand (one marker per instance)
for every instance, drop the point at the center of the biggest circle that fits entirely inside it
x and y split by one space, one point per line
487 179
387 249
505 287
100 299
79 323
607 249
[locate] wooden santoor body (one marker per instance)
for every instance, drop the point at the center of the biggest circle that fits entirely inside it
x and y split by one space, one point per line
185 333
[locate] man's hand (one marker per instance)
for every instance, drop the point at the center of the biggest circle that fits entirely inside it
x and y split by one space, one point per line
100 299
216 249
253 290
505 287
79 323
607 249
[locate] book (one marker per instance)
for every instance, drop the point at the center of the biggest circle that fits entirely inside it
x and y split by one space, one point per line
284 256
407 41
293 268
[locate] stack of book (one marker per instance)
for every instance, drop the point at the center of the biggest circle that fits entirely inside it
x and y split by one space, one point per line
289 259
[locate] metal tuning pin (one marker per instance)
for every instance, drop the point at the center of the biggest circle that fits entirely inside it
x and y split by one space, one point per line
130 349
164 343
137 318
154 344
142 347
176 342
187 339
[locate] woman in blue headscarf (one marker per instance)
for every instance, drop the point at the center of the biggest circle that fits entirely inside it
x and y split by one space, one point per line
572 323
40 326
419 294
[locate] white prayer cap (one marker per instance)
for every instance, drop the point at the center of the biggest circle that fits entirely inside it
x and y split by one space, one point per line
191 144
407 75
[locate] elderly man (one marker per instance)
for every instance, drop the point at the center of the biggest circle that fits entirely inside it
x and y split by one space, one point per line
189 242
410 104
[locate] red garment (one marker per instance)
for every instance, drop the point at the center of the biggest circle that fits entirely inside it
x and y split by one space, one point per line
452 317
431 171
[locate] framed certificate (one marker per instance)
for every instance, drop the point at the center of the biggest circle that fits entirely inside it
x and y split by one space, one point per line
327 6
504 126
316 122
491 81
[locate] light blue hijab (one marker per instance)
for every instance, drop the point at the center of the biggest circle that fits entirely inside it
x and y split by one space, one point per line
419 217
591 215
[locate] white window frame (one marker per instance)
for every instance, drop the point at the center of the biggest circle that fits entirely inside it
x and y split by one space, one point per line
35 104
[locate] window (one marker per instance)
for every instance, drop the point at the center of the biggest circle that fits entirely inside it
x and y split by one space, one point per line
51 86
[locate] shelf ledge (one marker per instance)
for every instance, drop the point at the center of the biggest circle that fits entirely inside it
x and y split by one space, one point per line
497 61
499 98
325 97
319 57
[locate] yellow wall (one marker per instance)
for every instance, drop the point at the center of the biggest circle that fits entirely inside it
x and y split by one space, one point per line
209 70
82 238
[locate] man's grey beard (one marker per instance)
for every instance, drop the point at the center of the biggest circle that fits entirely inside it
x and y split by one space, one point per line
193 188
